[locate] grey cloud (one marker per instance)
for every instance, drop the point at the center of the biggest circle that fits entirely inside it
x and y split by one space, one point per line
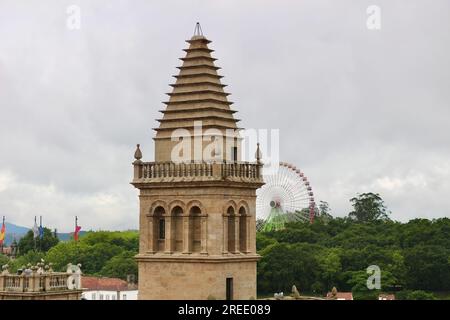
358 110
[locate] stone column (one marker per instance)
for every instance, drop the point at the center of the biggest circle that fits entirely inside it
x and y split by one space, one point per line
22 283
236 233
216 170
47 282
35 281
137 164
168 235
225 234
151 235
186 235
204 234
247 234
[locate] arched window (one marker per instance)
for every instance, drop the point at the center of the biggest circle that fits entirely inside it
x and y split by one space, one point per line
243 230
195 234
231 230
159 228
177 230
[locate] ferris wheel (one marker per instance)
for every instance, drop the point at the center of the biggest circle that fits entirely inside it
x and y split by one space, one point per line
286 196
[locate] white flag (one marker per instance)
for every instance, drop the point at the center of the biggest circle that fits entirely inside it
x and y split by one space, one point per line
35 230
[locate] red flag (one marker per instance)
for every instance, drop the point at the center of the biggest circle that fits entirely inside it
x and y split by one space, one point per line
2 234
77 231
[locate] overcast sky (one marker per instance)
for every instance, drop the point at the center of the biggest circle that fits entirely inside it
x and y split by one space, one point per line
358 110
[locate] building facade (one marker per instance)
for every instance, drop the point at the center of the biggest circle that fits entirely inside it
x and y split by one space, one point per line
197 200
102 288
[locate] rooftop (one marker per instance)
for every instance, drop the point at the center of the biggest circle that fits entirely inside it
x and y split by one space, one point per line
104 284
197 93
340 295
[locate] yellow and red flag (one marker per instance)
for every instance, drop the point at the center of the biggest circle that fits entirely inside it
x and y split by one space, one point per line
2 233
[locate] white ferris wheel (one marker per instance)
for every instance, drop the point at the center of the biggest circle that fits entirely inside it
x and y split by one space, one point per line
286 196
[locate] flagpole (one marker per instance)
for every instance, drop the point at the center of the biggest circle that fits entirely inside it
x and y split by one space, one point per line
34 236
76 225
40 230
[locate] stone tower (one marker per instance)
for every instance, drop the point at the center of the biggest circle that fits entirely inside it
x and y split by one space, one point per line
197 200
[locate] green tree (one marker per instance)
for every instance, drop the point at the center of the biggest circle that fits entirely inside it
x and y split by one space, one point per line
95 250
297 235
415 295
427 268
324 212
358 284
95 257
263 241
28 242
330 266
361 291
368 207
396 266
128 240
412 256
283 265
91 257
31 257
3 260
67 252
120 266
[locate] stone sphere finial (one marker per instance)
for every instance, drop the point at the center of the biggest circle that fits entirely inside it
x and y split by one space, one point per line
138 152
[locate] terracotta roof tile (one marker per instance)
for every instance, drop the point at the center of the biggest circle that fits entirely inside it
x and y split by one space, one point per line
341 295
101 283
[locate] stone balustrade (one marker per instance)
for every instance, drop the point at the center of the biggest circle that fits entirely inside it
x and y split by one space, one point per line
39 280
35 282
170 171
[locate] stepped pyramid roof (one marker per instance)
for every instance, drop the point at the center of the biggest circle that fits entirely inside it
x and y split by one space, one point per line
197 94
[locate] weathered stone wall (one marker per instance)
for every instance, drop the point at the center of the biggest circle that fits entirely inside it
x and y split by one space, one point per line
199 275
214 202
62 295
195 280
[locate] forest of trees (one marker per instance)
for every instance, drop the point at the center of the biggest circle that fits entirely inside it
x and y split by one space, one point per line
335 252
414 257
101 253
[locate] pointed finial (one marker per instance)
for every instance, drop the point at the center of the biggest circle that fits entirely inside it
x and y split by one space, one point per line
198 30
258 154
138 153
334 291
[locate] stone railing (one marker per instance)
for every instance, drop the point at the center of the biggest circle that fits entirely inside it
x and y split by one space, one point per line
148 171
34 282
241 170
170 169
40 278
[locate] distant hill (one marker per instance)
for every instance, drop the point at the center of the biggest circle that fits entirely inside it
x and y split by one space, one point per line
68 236
14 231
